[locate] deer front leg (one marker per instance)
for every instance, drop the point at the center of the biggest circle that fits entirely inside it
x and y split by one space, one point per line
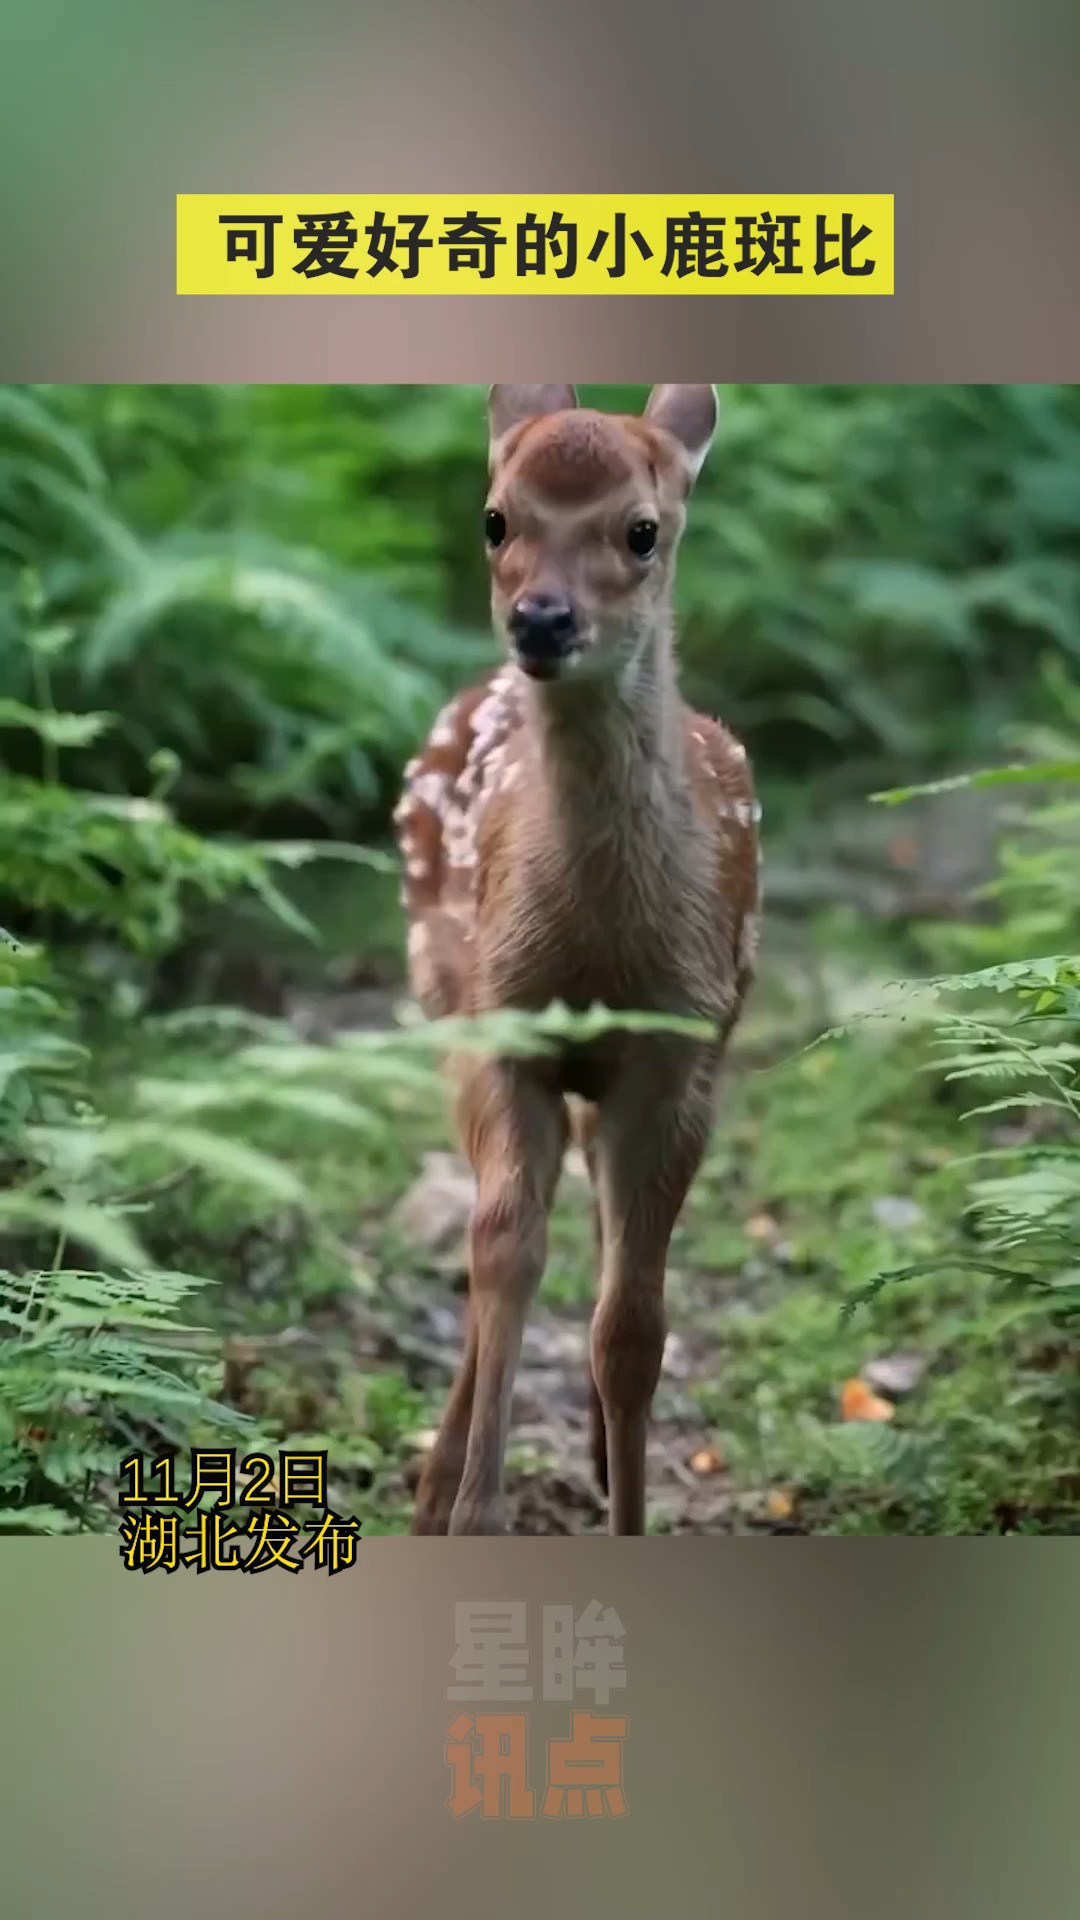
583 1129
649 1143
441 1478
514 1132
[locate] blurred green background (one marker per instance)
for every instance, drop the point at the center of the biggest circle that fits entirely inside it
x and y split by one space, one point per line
275 581
228 615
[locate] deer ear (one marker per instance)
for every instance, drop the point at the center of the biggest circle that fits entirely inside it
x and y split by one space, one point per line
689 415
508 406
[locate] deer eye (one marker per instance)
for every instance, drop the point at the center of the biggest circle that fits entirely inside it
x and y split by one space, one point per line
494 527
641 537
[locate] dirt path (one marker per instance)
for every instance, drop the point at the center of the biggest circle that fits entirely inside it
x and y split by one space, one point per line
550 1479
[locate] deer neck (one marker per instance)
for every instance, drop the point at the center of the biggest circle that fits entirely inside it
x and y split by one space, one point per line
610 751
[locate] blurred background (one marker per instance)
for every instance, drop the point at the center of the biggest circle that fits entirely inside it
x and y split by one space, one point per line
231 1204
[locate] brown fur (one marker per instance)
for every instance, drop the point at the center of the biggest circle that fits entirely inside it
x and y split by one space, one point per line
589 840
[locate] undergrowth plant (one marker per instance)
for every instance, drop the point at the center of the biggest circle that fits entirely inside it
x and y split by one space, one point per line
91 1348
1009 1033
284 683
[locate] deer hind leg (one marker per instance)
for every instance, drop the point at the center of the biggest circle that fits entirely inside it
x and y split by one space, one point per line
514 1132
650 1138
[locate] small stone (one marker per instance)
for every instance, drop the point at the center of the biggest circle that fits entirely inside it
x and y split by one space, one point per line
435 1212
897 1214
895 1373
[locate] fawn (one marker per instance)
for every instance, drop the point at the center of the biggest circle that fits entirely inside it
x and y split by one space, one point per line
573 832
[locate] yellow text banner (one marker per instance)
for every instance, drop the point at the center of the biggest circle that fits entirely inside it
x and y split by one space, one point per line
523 243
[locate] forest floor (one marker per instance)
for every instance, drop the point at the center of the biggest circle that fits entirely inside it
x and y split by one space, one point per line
937 1406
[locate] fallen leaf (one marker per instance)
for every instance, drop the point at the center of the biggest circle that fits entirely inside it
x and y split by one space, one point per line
706 1460
779 1505
762 1226
860 1402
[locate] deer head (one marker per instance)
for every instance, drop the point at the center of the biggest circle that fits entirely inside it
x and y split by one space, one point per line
583 519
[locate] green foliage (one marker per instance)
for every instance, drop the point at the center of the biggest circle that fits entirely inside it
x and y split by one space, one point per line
868 570
88 1367
1018 1053
959 1092
193 582
277 584
88 1317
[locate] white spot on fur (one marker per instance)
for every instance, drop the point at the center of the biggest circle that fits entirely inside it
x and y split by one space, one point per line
460 841
481 730
747 813
748 940
430 789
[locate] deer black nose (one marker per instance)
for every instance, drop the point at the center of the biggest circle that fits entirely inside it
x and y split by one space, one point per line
543 625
